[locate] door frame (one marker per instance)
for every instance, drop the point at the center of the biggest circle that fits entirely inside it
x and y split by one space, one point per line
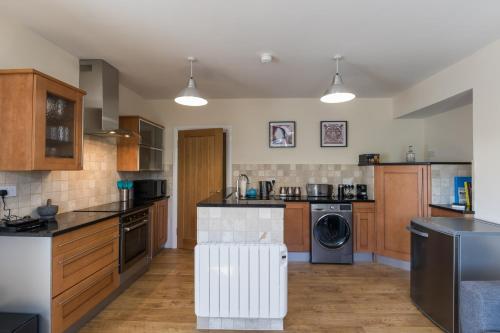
172 242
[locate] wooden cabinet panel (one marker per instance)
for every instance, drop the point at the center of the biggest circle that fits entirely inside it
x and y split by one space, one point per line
81 253
159 225
364 227
439 212
74 303
143 151
297 226
402 192
37 135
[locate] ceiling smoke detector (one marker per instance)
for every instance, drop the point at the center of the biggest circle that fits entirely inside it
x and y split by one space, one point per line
266 58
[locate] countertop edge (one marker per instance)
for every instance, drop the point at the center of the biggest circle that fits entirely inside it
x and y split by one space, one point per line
451 209
432 223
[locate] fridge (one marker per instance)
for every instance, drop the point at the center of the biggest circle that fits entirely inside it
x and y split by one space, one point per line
444 252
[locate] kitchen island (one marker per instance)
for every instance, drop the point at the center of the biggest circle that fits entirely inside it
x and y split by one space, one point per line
240 264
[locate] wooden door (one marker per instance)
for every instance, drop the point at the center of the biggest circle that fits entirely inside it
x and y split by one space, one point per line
58 137
297 226
401 193
201 172
364 227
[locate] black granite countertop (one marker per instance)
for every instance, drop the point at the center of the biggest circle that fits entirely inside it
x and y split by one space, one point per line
63 223
415 163
70 221
450 208
228 199
456 226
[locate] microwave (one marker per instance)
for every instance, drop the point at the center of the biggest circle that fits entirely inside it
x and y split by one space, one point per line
150 189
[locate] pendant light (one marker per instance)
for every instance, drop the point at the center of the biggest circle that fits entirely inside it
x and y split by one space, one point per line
337 92
190 96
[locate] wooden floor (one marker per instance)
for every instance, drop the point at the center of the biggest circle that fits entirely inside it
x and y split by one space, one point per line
368 298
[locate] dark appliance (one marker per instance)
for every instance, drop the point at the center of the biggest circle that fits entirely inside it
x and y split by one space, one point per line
20 224
361 192
18 323
319 190
265 188
331 234
369 159
134 231
444 252
340 192
150 189
345 192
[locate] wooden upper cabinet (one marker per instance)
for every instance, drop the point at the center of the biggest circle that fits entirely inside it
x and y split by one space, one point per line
142 151
297 226
364 226
41 122
401 192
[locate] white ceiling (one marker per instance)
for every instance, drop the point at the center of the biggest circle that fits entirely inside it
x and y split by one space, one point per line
388 44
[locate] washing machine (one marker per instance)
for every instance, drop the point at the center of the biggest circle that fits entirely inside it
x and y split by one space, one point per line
331 233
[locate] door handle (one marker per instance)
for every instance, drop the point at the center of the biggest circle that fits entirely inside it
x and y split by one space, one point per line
417 232
136 226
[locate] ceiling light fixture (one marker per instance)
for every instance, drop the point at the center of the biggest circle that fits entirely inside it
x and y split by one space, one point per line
337 92
190 96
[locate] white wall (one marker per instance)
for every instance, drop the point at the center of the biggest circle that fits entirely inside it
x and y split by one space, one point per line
448 136
133 104
479 72
22 48
371 128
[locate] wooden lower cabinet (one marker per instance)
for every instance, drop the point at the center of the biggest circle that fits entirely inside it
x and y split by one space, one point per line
402 192
159 225
84 271
74 303
364 226
297 226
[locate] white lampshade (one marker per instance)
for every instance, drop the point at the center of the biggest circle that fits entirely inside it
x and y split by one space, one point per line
190 96
337 92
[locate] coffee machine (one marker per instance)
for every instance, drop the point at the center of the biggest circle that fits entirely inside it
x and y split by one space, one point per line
361 192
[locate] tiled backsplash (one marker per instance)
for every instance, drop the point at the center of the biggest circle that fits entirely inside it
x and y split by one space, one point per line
301 174
240 225
443 178
94 185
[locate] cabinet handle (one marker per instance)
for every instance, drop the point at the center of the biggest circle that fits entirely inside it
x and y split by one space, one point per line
417 232
85 236
66 301
84 253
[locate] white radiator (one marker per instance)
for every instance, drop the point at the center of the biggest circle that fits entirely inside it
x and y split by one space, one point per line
241 280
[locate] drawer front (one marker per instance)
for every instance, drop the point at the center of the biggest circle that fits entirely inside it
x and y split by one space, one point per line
80 238
73 261
363 206
71 305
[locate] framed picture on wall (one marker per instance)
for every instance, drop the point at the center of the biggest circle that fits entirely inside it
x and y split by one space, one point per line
282 134
333 133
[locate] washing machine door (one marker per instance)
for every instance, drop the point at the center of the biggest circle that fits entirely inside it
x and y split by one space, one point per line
332 231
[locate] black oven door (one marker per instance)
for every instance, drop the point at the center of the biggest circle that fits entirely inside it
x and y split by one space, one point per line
134 242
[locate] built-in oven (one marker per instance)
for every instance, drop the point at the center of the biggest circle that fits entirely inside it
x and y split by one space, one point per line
134 240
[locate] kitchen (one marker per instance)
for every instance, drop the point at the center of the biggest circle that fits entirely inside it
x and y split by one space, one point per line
265 130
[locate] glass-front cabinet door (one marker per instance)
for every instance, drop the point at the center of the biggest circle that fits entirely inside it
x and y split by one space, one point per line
58 126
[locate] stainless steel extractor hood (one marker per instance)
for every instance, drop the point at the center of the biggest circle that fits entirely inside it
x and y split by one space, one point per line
101 112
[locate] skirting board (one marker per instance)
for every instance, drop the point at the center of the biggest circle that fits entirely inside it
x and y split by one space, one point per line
401 264
306 257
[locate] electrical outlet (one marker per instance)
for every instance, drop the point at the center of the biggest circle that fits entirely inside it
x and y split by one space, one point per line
11 190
